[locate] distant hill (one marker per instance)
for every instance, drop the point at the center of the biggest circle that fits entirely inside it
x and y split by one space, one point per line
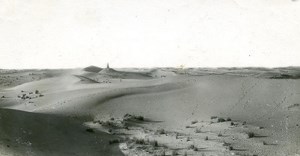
93 69
161 73
123 74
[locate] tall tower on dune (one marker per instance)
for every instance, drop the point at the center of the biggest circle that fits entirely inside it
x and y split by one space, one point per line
107 66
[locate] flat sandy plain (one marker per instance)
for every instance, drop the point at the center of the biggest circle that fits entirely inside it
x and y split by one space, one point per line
161 111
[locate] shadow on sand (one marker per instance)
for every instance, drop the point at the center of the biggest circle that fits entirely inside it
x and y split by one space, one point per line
27 133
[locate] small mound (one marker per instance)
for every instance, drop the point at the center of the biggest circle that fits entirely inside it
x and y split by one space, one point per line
161 73
286 76
93 69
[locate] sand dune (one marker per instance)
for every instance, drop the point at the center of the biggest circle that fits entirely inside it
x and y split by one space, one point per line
137 113
161 73
123 74
93 69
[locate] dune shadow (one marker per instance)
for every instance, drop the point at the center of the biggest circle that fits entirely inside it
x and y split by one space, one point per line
260 136
49 134
144 121
205 150
85 79
147 120
271 144
178 148
236 149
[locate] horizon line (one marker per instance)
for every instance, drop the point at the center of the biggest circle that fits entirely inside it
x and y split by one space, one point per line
178 67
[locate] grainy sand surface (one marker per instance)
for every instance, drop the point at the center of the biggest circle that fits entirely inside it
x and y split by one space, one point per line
163 111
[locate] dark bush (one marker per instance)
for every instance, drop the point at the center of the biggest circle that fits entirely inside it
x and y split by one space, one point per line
173 153
192 147
141 118
188 139
194 122
160 131
114 141
221 120
250 134
198 130
185 153
264 143
133 117
220 134
154 143
140 141
213 117
90 130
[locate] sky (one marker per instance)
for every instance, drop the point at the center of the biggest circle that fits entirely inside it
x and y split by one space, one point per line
149 33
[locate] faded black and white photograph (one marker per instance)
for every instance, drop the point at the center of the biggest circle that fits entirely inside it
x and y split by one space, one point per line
149 77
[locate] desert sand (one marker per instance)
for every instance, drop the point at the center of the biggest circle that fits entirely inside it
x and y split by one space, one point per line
161 111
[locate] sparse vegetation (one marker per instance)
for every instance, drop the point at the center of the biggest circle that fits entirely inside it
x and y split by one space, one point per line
163 153
160 131
198 130
264 143
191 147
194 122
206 138
226 144
133 117
184 153
176 136
140 141
213 117
114 141
90 130
188 139
174 153
250 134
221 120
220 134
154 143
141 118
